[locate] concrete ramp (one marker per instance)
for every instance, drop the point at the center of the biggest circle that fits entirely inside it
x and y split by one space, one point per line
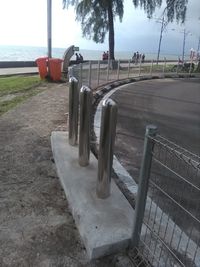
104 225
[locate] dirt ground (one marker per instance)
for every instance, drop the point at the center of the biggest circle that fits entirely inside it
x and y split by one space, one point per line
36 226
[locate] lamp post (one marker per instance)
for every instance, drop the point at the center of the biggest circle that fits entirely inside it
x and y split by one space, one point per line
163 26
49 22
185 33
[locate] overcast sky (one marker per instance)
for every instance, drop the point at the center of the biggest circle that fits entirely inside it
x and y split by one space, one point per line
24 22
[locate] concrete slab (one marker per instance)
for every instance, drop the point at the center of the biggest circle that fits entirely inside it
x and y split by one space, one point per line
104 225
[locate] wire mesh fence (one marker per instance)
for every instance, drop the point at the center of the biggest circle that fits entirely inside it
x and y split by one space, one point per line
170 233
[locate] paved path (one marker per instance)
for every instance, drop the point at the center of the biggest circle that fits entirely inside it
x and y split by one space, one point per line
14 71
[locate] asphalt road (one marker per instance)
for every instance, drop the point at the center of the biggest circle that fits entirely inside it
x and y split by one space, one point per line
173 105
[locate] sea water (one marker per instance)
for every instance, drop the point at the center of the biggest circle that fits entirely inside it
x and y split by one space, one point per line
29 53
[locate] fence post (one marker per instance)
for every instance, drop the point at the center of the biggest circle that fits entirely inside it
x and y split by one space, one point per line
70 72
143 183
151 68
84 129
177 68
98 73
90 74
191 62
140 67
107 78
106 146
129 62
73 111
164 66
118 69
81 75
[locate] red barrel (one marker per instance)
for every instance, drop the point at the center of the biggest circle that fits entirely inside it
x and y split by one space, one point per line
42 66
55 66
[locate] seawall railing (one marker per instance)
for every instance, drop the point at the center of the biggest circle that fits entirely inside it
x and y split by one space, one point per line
97 73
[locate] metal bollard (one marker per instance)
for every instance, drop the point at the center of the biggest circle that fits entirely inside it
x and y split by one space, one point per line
84 129
73 111
106 146
151 131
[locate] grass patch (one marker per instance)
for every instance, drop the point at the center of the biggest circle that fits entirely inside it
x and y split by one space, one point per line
16 84
18 89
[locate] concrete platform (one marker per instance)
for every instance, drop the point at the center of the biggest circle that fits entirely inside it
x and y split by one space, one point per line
104 225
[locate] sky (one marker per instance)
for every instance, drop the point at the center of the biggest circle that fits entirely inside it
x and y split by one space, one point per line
24 22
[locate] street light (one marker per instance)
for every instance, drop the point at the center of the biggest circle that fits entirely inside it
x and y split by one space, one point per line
185 33
163 26
49 22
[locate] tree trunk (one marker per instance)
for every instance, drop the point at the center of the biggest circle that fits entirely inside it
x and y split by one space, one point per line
111 30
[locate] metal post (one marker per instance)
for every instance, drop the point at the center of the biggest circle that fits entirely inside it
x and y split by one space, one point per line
81 75
70 72
118 69
191 62
106 146
140 67
107 78
49 23
143 183
90 74
177 68
129 62
73 111
98 73
84 129
151 68
183 53
161 32
164 66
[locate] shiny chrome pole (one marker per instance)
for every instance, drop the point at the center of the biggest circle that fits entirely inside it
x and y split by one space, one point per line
106 146
73 110
84 129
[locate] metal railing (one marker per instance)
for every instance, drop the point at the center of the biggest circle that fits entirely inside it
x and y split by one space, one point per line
96 73
170 231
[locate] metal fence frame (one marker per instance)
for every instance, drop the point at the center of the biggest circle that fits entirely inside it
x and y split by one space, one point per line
161 239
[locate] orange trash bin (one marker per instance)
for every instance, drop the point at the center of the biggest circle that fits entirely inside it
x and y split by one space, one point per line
55 65
42 67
